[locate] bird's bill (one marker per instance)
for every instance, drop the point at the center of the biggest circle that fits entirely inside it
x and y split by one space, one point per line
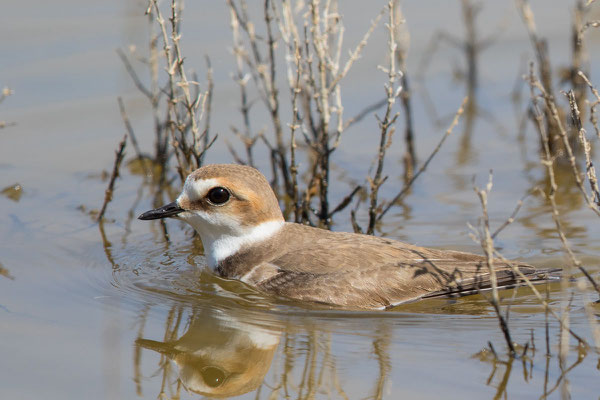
168 210
167 349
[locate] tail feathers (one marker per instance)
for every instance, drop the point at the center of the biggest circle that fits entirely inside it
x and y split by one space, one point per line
506 279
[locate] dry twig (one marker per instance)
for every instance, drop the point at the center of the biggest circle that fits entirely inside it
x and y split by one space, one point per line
552 111
402 39
407 186
186 103
386 127
543 61
108 194
548 162
487 244
129 128
593 118
585 144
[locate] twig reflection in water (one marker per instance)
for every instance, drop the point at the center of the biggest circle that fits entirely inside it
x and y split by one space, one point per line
470 48
502 369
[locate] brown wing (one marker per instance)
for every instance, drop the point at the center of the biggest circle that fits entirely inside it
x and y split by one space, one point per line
371 272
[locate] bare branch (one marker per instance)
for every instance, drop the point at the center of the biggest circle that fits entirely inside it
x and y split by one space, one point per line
423 167
108 194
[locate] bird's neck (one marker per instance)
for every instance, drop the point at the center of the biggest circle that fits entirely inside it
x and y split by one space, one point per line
220 245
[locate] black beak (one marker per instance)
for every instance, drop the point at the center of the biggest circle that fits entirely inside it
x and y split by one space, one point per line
169 210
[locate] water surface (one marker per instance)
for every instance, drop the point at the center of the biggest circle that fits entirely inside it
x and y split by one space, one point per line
114 311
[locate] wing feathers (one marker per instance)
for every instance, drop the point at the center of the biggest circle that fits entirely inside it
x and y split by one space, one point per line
359 271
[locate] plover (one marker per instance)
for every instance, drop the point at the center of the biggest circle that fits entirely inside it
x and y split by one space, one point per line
236 213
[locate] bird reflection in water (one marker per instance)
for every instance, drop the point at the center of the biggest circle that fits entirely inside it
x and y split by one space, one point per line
219 355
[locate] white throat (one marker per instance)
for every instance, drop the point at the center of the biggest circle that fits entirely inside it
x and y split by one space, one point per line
226 239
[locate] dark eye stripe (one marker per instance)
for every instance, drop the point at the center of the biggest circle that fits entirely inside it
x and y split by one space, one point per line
218 195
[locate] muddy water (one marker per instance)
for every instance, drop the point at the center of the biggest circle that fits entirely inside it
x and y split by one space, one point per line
114 311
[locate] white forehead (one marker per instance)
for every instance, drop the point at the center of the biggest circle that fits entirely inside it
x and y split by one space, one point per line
197 189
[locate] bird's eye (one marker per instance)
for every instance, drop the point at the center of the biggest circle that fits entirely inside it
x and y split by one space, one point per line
218 195
213 376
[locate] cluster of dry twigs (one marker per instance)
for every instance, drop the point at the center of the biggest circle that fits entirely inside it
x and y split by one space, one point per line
180 107
301 153
179 104
564 145
312 38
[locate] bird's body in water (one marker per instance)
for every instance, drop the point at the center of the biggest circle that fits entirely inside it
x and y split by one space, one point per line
245 237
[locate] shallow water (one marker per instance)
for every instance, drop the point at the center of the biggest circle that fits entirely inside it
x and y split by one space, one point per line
114 311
